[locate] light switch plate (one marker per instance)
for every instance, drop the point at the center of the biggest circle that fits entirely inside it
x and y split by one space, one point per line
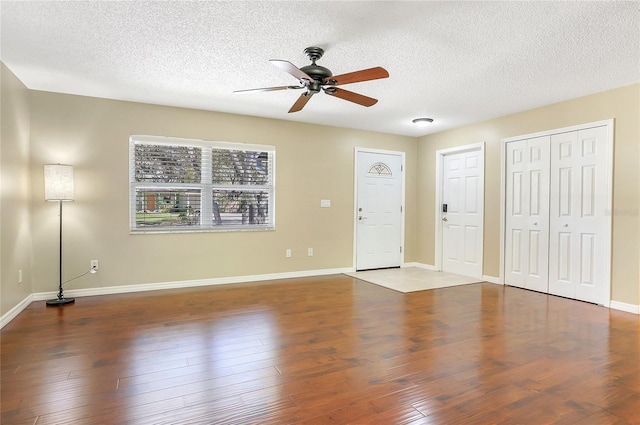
325 203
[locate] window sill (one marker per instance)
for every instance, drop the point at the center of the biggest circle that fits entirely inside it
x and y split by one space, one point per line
205 230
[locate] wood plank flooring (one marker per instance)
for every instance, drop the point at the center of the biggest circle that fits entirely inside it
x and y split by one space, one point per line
321 350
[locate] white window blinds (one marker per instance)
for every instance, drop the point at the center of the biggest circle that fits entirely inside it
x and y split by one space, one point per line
194 185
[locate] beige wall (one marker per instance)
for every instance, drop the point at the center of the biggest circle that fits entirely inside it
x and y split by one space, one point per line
312 163
15 226
622 104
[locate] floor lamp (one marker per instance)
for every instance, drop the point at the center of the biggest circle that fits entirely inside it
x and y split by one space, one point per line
58 186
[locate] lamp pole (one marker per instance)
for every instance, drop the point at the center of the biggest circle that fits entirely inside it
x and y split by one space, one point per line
59 187
60 256
61 300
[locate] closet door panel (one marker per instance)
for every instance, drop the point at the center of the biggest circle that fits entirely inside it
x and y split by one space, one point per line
515 216
538 265
563 222
527 218
578 257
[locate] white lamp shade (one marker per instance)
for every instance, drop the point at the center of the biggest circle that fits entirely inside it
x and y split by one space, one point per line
58 182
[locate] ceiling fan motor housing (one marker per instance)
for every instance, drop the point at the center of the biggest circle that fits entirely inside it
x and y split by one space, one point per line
316 72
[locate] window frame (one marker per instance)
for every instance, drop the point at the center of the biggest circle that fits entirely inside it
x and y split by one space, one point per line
206 187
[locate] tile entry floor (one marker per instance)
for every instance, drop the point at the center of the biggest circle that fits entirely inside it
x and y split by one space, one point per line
411 279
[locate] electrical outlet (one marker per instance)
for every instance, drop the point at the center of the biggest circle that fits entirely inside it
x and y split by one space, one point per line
287 253
94 265
20 276
310 252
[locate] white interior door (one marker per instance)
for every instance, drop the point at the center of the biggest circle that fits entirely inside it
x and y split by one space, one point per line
527 214
379 210
462 222
579 196
578 225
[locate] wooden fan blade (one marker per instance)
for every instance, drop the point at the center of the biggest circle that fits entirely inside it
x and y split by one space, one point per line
358 76
270 89
351 96
290 68
302 100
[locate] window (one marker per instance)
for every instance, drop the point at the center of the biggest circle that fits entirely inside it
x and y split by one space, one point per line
183 185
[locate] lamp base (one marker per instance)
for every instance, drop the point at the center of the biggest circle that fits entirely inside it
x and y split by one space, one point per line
61 301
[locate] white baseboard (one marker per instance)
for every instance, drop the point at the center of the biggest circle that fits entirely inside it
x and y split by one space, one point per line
629 308
17 309
187 283
491 279
419 265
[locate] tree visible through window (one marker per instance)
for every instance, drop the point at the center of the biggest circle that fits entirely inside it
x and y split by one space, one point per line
192 185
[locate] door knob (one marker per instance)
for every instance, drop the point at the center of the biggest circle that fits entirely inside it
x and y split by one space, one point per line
361 217
566 225
445 219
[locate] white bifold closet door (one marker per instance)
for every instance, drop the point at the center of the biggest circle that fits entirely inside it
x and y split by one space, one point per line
527 218
577 248
556 195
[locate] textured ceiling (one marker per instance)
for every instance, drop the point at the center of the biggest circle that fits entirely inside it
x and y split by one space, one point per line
456 62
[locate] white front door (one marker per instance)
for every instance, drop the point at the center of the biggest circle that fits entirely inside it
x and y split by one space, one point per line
578 260
527 214
378 210
462 223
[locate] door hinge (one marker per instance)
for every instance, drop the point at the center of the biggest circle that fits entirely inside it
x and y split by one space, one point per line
402 168
400 249
400 208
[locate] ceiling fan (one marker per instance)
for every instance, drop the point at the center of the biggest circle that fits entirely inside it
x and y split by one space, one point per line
314 78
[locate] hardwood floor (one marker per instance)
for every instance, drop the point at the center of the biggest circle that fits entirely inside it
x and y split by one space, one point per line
323 350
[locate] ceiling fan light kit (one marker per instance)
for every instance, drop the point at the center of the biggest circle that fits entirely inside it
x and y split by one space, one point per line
315 78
